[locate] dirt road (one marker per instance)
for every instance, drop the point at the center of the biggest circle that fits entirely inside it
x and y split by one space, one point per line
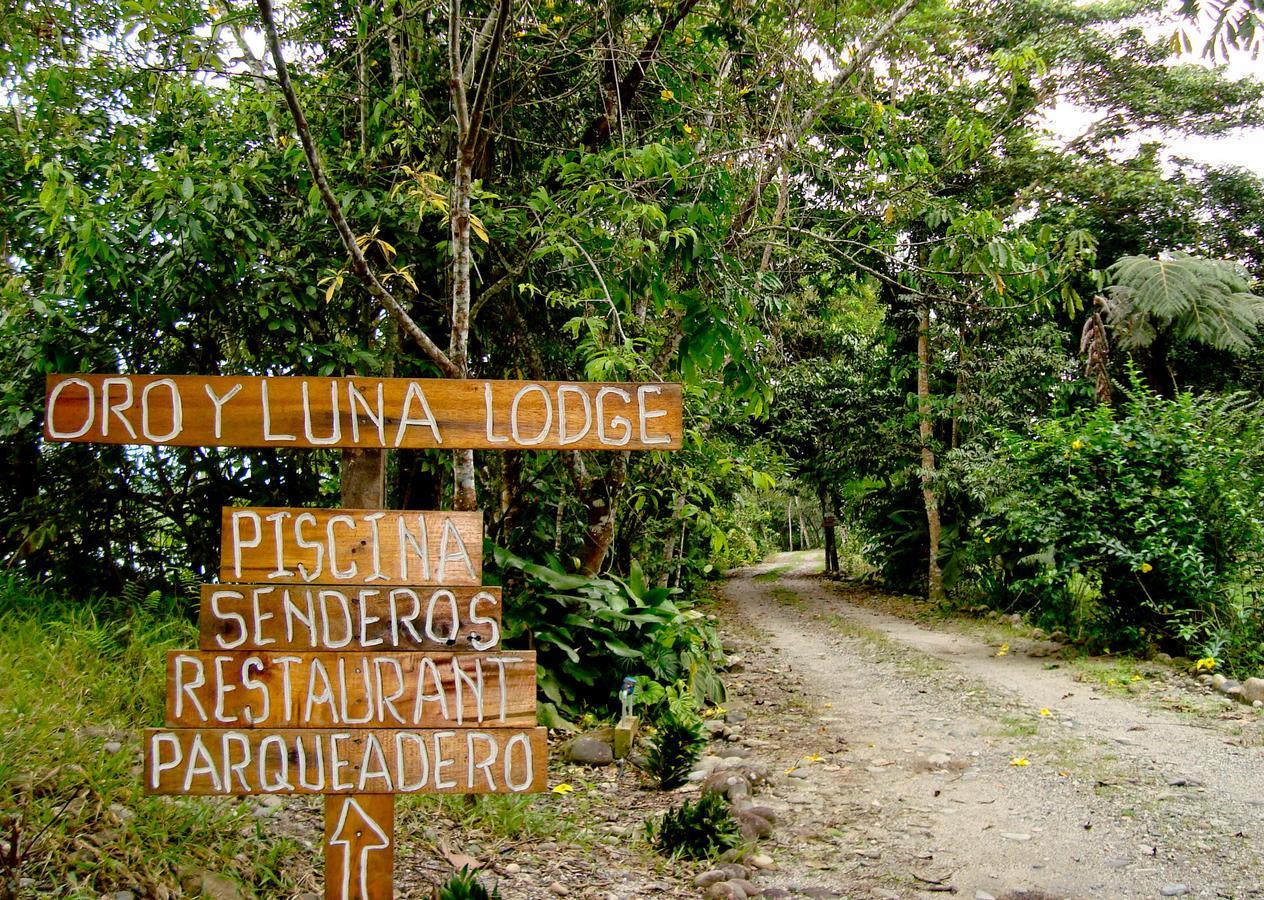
914 762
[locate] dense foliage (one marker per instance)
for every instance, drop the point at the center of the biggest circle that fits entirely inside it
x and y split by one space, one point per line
697 829
844 227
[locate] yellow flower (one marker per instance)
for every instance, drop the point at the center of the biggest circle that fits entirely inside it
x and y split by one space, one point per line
557 20
1004 650
1019 761
1077 444
1136 677
687 129
1206 664
712 711
563 789
988 539
544 29
667 94
1146 567
520 34
791 769
815 757
1045 712
688 39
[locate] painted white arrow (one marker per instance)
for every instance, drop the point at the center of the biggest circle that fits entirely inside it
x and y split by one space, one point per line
347 833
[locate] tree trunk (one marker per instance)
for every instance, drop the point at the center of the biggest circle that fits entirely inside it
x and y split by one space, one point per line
934 577
362 476
599 533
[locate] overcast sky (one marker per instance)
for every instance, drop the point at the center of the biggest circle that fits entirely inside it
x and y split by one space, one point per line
1244 147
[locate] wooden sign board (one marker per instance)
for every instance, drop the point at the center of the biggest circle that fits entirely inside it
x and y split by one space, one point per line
375 413
354 689
233 762
351 546
277 617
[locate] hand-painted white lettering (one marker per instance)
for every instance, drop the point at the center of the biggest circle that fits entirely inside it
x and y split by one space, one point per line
407 419
460 681
523 743
109 409
515 415
258 616
622 423
375 547
493 637
644 414
373 766
231 768
268 434
485 764
361 696
90 410
490 415
218 403
335 419
439 762
156 764
564 436
336 762
344 608
378 417
249 683
274 778
239 544
229 616
304 544
305 615
278 538
347 522
223 687
453 618
401 762
187 687
200 762
418 544
450 537
177 411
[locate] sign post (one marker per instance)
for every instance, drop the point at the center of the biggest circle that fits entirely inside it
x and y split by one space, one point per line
353 652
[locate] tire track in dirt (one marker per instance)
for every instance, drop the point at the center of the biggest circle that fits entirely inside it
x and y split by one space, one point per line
900 741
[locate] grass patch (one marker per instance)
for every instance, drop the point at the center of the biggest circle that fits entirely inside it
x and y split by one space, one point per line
1113 674
786 597
78 680
772 574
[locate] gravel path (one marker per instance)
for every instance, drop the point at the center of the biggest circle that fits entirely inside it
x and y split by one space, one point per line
897 747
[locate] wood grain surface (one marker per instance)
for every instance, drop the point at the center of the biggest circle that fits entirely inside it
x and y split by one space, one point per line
226 761
450 414
276 617
350 546
360 847
351 689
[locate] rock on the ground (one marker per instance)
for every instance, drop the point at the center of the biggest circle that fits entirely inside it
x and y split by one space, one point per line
216 887
1174 890
761 861
1253 690
710 877
590 751
729 784
753 826
748 888
724 890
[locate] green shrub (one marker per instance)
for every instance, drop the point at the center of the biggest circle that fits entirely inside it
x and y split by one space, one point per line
677 745
589 632
464 886
1131 528
697 829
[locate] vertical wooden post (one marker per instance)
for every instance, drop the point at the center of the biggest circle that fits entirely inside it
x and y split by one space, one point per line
360 828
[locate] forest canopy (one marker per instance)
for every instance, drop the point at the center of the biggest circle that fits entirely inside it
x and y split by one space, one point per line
1018 367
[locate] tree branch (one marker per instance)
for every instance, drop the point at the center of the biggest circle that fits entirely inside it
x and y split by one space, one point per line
359 265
